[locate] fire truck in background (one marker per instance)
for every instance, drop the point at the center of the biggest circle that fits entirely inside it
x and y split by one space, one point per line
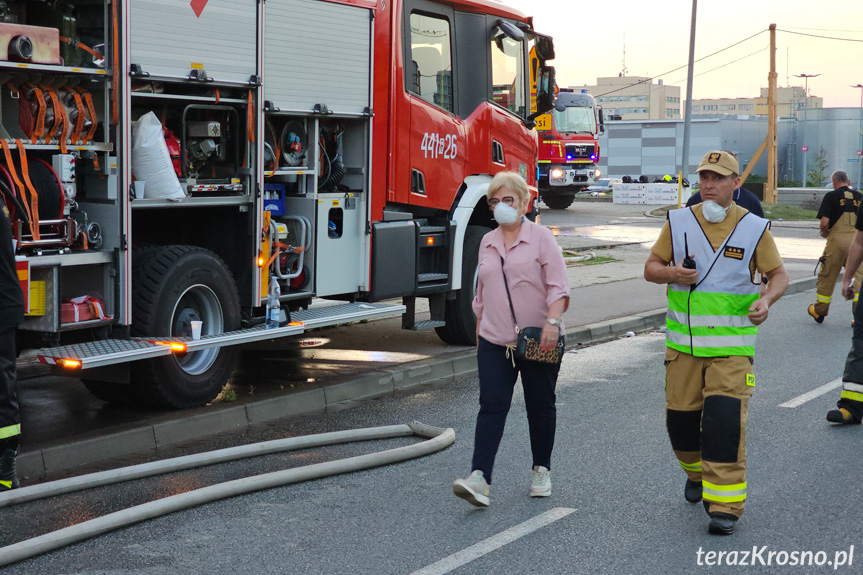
568 148
303 149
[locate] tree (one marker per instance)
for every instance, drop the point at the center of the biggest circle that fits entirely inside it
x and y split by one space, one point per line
817 174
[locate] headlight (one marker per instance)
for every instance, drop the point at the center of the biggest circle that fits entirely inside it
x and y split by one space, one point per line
597 173
556 175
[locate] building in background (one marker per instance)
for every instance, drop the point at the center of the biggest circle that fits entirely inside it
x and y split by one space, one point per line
634 98
788 101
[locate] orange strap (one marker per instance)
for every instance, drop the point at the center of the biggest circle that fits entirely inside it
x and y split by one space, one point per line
19 187
84 242
34 196
115 64
250 113
216 94
282 247
39 129
97 167
61 120
81 46
82 117
91 109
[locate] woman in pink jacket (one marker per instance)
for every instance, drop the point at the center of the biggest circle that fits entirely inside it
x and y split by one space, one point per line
527 255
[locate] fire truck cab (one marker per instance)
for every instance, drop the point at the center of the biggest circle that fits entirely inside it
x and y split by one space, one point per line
169 163
569 148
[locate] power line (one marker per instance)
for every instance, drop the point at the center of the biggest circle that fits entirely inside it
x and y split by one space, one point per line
825 29
818 36
682 67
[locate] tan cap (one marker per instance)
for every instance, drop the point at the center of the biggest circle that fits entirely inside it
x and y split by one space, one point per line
720 162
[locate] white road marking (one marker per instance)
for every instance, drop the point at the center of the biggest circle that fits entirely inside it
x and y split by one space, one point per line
494 542
809 395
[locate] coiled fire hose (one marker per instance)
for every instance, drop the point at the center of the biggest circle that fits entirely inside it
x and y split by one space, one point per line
437 439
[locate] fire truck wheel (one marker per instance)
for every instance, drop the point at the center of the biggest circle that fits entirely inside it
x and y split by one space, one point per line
560 202
460 328
175 285
109 391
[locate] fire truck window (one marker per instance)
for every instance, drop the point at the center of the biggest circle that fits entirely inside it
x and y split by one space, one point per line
575 119
431 65
508 73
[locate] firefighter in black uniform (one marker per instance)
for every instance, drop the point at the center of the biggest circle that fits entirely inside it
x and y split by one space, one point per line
838 217
11 316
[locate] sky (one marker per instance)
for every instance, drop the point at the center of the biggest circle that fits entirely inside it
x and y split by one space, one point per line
589 43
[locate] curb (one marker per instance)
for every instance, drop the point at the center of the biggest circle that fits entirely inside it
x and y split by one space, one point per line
48 462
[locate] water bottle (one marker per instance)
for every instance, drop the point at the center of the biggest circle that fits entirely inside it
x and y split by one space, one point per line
273 308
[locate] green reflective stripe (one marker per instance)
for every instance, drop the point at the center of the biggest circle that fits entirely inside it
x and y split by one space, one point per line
739 321
10 430
723 493
678 347
675 326
823 298
690 466
6 484
712 341
709 303
855 297
748 351
852 395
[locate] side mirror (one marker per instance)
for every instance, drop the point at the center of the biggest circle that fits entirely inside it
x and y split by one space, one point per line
545 84
601 122
559 106
544 47
510 30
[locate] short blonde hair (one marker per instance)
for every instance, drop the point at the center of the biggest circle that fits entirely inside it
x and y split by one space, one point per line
512 182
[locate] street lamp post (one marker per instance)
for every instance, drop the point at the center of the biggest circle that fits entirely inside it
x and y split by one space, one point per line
859 158
806 89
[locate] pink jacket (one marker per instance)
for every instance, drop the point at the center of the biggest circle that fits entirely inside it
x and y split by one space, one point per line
537 278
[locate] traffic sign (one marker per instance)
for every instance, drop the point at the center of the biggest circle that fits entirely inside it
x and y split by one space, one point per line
804 148
855 160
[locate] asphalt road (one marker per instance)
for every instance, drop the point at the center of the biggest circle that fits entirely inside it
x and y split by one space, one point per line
617 505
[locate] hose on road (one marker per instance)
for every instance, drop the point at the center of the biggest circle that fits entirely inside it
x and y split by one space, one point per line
437 439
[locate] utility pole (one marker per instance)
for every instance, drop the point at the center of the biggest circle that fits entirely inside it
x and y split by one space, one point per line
859 157
687 121
770 192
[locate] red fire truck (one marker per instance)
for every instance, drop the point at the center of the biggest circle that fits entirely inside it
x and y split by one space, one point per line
568 148
173 167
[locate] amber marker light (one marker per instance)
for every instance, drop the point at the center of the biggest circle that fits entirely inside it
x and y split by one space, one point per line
71 363
176 346
260 261
430 241
296 323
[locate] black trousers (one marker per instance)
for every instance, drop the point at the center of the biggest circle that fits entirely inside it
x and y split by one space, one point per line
10 420
497 377
854 368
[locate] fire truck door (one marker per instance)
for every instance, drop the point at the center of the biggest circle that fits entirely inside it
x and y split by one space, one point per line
437 145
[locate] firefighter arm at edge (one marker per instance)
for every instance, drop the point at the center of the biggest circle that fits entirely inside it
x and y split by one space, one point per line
776 286
852 262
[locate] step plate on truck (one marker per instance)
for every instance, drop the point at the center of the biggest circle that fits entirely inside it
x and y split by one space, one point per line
113 351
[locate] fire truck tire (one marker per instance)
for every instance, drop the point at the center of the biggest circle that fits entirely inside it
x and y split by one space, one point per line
558 202
460 328
172 286
108 391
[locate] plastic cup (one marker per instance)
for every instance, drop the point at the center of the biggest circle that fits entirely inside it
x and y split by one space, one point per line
196 329
139 188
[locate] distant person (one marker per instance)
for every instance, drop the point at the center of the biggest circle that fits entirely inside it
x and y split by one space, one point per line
714 308
850 405
838 218
742 197
527 254
11 316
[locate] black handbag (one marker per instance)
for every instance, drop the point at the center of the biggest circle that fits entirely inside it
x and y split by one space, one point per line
527 345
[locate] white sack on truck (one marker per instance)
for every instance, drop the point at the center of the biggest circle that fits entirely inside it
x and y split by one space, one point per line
151 162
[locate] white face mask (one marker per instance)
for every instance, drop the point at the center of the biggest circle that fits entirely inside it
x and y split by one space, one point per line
505 215
713 212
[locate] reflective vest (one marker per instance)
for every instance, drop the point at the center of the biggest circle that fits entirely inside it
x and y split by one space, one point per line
844 226
710 318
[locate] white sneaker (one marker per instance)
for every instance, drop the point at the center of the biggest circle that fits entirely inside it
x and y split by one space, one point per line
474 489
540 486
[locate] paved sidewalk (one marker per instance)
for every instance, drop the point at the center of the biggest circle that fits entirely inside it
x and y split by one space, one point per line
610 298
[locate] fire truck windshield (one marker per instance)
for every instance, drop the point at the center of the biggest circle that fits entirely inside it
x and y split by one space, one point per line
580 120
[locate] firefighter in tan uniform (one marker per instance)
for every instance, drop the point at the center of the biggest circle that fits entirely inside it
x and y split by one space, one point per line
838 216
709 254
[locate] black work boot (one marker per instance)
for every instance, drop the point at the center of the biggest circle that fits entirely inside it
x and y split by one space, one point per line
721 523
692 491
8 453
